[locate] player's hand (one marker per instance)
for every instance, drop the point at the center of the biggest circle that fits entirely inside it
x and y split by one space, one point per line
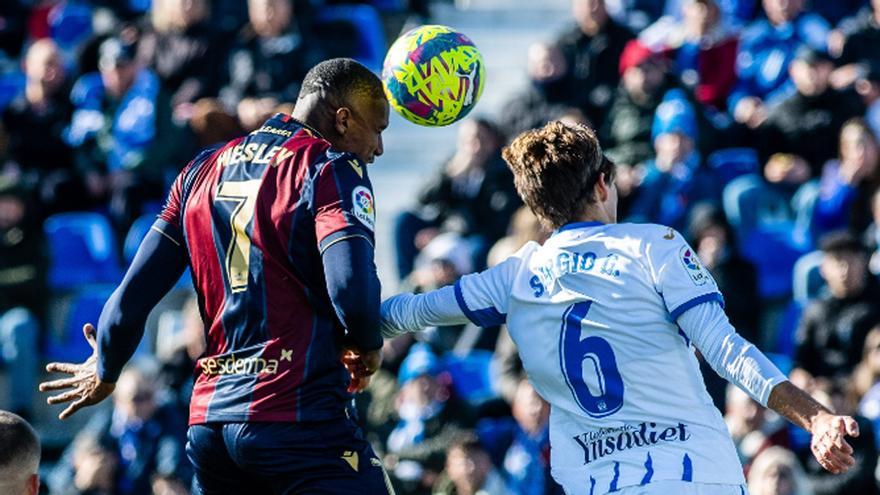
86 388
829 444
361 366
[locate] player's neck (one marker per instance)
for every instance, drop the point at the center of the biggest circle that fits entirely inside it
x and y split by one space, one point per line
595 214
313 115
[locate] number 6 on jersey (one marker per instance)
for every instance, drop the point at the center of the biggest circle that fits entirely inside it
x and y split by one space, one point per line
595 354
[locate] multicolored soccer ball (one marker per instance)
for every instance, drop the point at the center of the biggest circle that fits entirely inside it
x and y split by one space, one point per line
433 75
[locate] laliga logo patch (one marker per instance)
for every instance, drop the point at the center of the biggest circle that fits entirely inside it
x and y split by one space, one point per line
364 210
693 266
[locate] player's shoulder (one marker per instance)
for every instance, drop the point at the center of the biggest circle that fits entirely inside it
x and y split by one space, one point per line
343 164
645 231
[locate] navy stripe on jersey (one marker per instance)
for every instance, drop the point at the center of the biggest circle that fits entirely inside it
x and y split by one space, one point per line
710 297
687 469
649 470
486 317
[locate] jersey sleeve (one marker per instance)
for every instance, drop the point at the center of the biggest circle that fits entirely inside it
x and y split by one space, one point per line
678 274
170 220
484 297
344 204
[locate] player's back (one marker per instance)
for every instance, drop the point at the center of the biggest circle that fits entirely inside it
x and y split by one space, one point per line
593 312
255 215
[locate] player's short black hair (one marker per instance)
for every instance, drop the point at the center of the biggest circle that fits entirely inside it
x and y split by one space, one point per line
19 444
339 80
841 242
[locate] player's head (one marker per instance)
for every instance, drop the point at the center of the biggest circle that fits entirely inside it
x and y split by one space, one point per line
270 17
467 463
19 456
844 264
776 470
529 410
346 103
561 174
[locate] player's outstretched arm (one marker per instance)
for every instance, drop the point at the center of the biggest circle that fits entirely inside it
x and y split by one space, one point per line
828 430
157 265
742 364
406 313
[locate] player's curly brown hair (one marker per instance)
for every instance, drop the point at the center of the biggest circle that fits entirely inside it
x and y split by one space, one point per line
555 169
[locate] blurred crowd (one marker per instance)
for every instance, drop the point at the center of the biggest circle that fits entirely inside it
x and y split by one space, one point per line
750 126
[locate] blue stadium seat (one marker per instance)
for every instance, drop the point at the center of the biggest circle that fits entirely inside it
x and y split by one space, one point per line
11 85
786 330
472 375
749 202
70 24
730 163
82 250
773 251
65 342
371 33
807 282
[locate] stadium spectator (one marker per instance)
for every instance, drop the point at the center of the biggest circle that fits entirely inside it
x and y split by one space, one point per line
120 112
868 87
23 292
212 124
253 111
184 50
469 471
777 472
704 49
35 123
472 195
856 39
520 446
270 57
872 234
592 50
864 386
807 123
750 428
145 437
427 418
767 47
848 183
860 479
832 331
95 467
713 238
13 30
626 130
19 456
524 227
547 95
675 179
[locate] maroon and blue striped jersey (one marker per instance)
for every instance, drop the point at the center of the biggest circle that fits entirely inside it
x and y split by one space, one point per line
255 216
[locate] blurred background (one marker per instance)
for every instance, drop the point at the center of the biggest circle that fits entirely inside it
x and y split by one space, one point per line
751 126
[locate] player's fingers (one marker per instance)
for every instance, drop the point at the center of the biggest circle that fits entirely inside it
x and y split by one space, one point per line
91 335
59 384
74 407
62 368
65 397
852 426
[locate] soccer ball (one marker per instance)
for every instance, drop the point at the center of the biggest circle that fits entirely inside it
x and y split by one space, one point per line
433 75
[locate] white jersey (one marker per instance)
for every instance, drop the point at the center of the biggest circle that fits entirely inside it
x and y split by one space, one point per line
593 312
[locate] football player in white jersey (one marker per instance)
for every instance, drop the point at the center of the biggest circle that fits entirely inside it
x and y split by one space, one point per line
605 317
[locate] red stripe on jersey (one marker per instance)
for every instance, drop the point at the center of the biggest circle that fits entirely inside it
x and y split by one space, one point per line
279 194
329 216
207 274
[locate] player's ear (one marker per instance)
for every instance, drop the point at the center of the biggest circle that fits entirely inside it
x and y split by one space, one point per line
343 120
601 189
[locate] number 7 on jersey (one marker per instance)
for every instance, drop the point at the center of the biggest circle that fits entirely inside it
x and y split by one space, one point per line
238 253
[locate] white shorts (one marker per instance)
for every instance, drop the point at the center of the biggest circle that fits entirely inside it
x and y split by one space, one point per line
683 488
